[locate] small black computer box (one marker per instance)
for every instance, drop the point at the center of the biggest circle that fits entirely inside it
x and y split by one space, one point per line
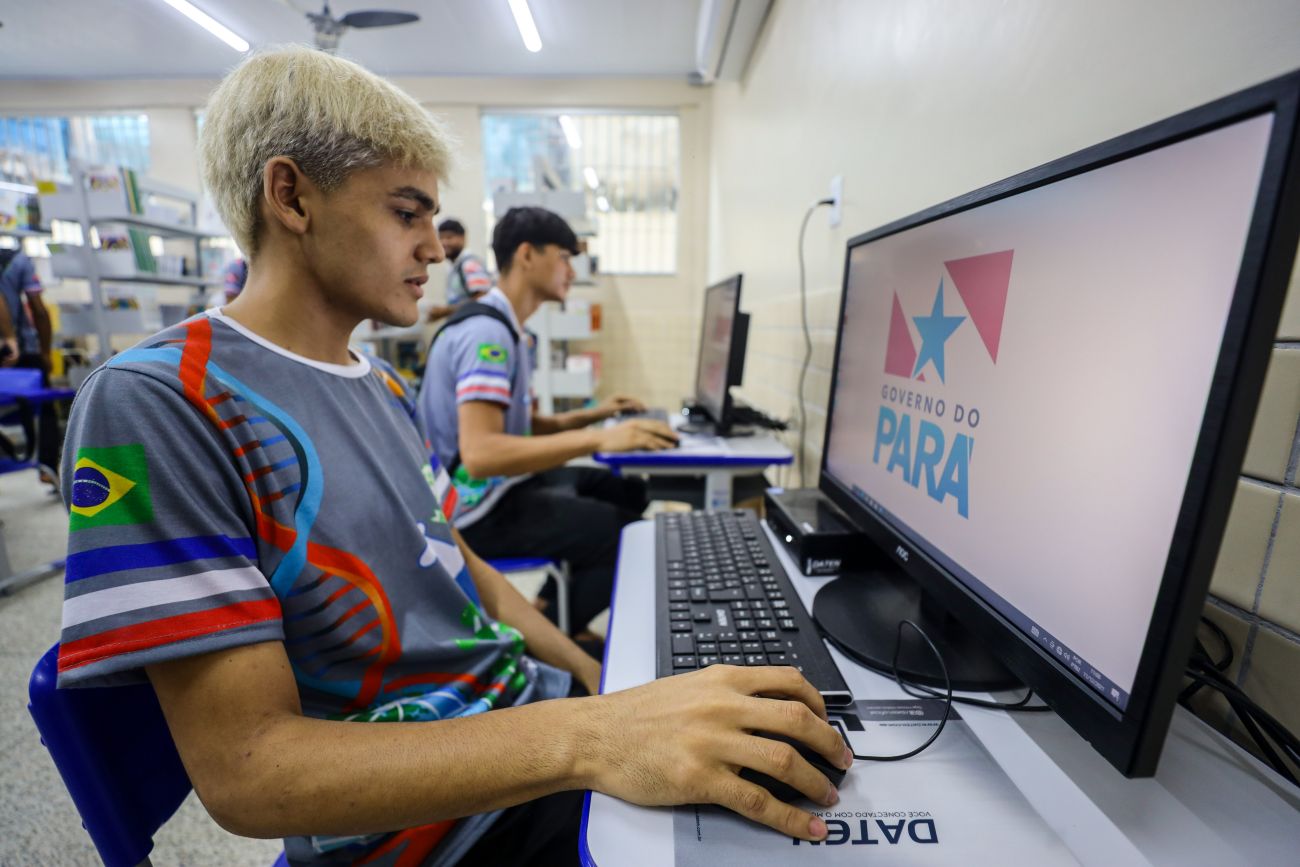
820 537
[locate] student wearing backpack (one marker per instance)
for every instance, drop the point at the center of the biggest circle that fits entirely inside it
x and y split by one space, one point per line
512 494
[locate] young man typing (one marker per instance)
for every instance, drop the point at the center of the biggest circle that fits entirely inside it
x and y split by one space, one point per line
515 497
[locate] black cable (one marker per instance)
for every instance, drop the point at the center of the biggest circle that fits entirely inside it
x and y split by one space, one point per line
1021 705
807 335
947 710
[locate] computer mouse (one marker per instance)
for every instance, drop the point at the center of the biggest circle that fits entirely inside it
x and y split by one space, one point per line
783 791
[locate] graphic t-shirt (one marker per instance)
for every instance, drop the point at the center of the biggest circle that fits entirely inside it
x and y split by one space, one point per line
225 492
475 359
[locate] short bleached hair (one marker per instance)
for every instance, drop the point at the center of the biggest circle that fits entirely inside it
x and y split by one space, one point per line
329 115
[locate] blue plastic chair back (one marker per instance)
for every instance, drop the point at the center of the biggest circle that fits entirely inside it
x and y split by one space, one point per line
116 756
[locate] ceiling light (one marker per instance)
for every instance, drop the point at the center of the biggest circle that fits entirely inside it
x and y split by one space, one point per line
208 23
570 131
524 21
17 188
602 203
590 174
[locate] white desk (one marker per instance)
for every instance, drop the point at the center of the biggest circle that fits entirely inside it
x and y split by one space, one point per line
718 459
1210 804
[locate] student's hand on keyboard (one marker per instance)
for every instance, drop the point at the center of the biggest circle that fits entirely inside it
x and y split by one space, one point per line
621 404
684 740
637 435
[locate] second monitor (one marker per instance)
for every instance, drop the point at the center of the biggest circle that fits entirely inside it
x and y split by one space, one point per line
721 363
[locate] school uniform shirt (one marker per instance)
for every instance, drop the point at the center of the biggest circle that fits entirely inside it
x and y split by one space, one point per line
475 359
224 492
468 277
18 281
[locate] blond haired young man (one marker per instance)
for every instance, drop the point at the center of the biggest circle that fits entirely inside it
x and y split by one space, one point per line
254 529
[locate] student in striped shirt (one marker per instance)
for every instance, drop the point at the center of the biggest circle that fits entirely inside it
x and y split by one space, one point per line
255 528
515 496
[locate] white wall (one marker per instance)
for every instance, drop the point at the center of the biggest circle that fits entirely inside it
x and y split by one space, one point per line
644 343
918 101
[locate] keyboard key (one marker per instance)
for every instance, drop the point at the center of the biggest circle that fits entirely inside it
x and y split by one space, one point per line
729 646
769 646
756 659
681 626
727 636
748 635
683 643
777 659
679 606
740 604
706 647
703 617
683 662
751 647
698 594
679 615
705 660
733 659
787 625
744 624
725 595
763 623
706 636
676 595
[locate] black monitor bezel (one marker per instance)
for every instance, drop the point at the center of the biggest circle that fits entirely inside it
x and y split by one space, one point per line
1131 740
724 407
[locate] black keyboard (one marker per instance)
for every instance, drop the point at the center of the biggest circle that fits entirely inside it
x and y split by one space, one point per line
722 596
653 414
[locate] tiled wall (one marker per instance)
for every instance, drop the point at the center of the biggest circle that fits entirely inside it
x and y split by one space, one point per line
1255 594
913 108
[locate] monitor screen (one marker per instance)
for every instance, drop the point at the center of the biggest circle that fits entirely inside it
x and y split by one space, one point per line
712 374
1020 386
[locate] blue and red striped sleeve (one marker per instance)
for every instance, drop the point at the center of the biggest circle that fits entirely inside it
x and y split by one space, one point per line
162 553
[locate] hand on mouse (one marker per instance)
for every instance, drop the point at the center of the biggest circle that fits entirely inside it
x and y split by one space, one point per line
637 435
684 740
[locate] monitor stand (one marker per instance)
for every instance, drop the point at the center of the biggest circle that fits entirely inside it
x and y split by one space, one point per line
860 611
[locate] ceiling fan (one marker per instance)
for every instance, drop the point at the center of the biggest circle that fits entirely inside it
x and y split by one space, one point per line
329 29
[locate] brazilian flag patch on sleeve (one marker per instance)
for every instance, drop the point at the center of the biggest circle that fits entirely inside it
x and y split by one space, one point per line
110 486
492 353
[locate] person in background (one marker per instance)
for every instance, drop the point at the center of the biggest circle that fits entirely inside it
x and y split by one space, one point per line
514 496
233 278
468 277
25 341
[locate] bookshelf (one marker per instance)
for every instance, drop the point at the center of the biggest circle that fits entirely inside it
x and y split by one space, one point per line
119 213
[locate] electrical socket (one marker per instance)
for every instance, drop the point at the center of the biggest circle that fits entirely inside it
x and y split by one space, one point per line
837 199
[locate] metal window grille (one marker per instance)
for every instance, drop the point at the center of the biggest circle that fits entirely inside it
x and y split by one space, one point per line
627 165
41 147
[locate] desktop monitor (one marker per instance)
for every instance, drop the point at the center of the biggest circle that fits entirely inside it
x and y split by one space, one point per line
721 361
1041 398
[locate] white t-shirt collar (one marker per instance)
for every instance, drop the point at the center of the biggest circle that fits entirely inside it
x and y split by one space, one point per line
348 371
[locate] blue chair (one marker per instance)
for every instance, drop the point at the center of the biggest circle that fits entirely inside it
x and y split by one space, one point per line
555 569
112 747
21 399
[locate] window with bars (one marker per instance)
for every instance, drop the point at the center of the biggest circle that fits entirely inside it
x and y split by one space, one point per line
628 166
41 147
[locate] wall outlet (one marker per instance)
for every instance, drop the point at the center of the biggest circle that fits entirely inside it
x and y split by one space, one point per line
837 197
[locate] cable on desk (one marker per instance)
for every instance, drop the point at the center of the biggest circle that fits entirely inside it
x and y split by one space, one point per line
1269 735
807 335
947 710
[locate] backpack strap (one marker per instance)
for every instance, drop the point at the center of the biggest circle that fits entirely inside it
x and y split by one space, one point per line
468 311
